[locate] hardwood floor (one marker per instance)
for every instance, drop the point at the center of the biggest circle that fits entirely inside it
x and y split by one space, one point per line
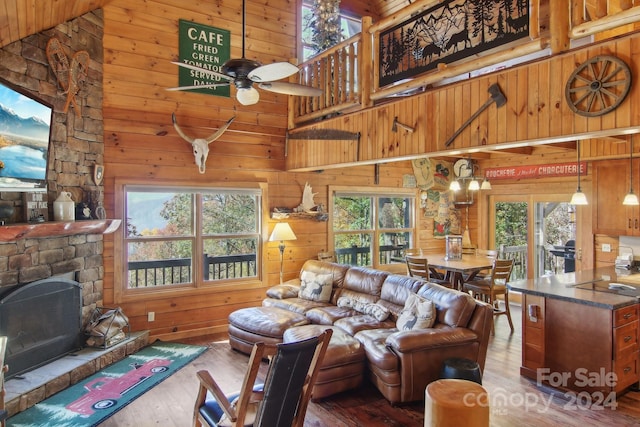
514 400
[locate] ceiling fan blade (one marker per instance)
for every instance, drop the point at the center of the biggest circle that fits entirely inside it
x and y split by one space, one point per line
198 86
203 70
271 72
290 89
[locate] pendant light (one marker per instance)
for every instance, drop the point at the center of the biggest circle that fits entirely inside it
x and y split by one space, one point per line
630 199
578 197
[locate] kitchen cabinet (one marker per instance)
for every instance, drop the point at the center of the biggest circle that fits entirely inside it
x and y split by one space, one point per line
611 184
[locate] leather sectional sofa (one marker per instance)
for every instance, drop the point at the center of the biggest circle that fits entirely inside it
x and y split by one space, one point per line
400 359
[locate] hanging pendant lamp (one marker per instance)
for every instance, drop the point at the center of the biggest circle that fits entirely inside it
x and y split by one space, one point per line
578 197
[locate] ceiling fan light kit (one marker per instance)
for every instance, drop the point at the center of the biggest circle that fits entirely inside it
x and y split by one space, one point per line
245 72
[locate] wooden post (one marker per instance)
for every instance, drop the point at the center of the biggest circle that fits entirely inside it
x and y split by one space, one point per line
559 26
366 59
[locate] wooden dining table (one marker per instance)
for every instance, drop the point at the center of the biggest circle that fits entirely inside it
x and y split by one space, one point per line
458 270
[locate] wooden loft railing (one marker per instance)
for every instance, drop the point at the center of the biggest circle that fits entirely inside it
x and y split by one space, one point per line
348 72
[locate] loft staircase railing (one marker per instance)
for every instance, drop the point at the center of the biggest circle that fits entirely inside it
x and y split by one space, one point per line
347 73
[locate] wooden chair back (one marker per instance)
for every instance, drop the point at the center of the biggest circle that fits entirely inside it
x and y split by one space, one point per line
417 267
501 271
413 251
284 397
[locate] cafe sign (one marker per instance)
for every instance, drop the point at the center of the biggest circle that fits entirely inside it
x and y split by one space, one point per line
535 171
205 47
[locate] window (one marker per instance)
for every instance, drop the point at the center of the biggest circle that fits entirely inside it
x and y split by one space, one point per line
188 237
349 26
372 229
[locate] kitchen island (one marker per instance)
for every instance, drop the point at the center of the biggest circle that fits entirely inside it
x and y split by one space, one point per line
580 333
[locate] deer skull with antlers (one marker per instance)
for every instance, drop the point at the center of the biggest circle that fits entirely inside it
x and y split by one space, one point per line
201 145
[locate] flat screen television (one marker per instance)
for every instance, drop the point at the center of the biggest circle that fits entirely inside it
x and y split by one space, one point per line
25 132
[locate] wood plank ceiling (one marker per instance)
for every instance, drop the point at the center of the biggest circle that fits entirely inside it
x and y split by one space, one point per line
21 18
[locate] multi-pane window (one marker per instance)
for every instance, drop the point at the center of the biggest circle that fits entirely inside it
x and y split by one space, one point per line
372 229
349 26
186 236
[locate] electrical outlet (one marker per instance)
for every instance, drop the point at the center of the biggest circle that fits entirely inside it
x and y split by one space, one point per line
151 316
606 247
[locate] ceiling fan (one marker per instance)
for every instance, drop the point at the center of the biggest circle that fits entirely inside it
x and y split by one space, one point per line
243 73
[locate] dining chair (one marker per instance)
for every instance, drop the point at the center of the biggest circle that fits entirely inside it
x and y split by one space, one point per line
281 401
489 288
489 253
419 267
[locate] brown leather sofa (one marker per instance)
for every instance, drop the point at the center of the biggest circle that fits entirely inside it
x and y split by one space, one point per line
401 363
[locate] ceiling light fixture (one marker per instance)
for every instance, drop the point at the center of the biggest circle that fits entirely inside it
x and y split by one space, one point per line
578 197
631 199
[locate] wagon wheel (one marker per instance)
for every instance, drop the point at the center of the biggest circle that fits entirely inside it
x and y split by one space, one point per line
598 86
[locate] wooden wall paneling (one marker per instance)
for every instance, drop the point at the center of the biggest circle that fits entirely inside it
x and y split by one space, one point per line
533 101
428 101
522 102
474 102
511 92
623 111
543 106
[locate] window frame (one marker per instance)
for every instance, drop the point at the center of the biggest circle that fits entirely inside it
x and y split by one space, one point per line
300 46
121 291
376 193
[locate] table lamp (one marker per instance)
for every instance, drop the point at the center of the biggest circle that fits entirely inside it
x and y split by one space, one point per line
281 232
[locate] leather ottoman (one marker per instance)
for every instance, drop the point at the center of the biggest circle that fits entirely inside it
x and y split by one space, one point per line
248 326
344 362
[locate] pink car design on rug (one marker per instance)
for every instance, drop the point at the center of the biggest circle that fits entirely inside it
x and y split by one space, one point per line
104 392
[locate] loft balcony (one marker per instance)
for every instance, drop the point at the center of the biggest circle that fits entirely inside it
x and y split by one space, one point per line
365 117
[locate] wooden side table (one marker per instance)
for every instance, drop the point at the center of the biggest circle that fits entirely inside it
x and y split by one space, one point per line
454 403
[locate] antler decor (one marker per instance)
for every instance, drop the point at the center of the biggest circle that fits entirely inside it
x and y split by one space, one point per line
71 77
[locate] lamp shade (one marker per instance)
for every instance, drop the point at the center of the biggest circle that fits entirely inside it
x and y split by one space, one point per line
630 199
486 185
474 185
578 198
282 231
454 186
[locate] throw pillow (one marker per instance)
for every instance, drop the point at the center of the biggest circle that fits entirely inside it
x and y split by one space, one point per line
418 313
316 287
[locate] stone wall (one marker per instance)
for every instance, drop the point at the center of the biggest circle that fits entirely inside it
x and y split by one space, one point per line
76 146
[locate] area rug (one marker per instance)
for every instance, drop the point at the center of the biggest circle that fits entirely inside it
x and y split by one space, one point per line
99 396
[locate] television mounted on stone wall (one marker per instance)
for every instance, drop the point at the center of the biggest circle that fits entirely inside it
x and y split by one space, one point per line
25 135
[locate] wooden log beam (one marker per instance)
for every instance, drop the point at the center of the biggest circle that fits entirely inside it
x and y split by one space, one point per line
609 22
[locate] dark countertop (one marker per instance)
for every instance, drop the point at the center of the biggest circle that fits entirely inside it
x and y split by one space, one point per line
590 287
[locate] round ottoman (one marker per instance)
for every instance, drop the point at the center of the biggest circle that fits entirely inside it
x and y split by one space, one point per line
248 326
342 367
455 403
462 369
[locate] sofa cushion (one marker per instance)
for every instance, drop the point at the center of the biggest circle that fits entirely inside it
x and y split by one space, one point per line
453 308
337 271
378 311
395 291
360 322
283 291
418 313
329 314
316 287
297 305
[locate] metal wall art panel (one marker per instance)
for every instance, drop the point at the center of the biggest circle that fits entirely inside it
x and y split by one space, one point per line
449 32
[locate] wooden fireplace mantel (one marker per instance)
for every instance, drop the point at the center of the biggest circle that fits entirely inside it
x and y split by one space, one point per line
12 232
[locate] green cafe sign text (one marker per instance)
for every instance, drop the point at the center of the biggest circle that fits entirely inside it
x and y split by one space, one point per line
205 47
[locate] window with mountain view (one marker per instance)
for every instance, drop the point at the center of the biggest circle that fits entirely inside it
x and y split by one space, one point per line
372 229
185 236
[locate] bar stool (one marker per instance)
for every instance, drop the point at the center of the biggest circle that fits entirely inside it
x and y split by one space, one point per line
455 403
